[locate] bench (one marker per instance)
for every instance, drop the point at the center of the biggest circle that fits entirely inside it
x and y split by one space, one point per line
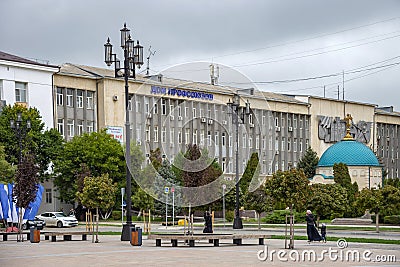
5 235
67 236
212 238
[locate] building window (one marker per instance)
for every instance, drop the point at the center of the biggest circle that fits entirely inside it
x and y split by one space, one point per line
179 111
89 126
263 120
60 126
70 98
79 127
147 108
171 110
130 103
148 133
209 138
283 144
186 111
79 99
244 140
301 145
194 136
264 142
180 137
70 128
171 136
223 139
89 100
250 142
257 141
295 145
49 196
276 122
156 134
187 136
223 164
289 145
216 138
163 106
20 92
60 96
202 135
138 107
295 123
194 112
163 135
251 121
276 144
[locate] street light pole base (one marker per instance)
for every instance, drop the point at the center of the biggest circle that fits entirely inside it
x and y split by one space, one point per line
237 223
126 231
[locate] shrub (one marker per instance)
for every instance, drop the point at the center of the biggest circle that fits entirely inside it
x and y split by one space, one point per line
393 219
229 215
116 215
278 216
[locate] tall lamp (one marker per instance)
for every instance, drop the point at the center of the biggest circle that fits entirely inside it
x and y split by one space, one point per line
133 57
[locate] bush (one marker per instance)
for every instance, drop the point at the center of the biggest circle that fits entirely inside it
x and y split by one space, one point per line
229 215
393 219
278 216
373 218
116 215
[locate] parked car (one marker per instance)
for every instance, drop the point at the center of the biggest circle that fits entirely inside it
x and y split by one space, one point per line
58 219
36 222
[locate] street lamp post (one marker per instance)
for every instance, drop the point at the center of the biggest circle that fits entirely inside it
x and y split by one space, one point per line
20 129
133 57
238 116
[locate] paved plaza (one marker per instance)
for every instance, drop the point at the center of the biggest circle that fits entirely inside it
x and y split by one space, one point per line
110 251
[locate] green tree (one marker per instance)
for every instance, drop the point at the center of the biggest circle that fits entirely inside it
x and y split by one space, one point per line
258 201
250 178
393 182
308 162
26 185
45 145
327 199
98 193
288 187
342 177
142 200
7 171
99 152
371 199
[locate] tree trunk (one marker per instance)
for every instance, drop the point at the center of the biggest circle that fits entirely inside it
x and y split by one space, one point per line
97 225
20 236
377 221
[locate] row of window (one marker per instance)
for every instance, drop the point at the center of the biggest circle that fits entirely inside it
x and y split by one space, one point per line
79 96
71 127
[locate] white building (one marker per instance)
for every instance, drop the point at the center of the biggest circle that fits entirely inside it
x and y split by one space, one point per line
29 83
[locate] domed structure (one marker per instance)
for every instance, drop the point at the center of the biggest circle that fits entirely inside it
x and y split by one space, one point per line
350 152
363 165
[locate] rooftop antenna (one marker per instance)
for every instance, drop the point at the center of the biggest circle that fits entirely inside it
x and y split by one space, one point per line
148 60
214 74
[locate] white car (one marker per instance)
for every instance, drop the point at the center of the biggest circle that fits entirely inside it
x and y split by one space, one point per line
58 219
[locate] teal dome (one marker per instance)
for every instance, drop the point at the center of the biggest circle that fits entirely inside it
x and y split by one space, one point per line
350 152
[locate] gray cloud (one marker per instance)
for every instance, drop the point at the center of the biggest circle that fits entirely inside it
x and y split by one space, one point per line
183 31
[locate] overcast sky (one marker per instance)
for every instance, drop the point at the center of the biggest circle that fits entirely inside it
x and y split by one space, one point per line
270 42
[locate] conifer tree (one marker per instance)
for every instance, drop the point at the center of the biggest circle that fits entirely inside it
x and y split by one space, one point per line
308 162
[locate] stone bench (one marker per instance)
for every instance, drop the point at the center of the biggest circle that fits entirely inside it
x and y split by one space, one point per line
212 238
67 236
351 221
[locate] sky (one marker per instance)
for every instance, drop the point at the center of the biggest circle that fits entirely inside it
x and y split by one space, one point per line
305 47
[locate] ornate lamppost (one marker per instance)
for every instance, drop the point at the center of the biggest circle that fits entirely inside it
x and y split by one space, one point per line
133 57
238 117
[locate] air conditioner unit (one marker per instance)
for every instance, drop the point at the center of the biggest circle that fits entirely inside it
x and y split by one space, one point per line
210 121
115 98
203 120
171 117
147 155
179 118
278 129
277 152
290 129
224 122
251 125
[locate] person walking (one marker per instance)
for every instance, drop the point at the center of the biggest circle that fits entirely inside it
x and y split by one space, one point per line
312 232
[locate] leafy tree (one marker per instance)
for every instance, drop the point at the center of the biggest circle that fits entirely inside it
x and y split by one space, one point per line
393 182
258 201
155 158
99 193
308 162
45 145
327 199
250 178
142 200
372 200
288 187
26 185
7 170
342 177
99 152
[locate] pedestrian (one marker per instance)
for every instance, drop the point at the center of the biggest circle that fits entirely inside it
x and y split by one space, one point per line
312 232
323 232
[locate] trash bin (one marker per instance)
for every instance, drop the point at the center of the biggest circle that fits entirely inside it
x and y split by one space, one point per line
136 236
34 234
